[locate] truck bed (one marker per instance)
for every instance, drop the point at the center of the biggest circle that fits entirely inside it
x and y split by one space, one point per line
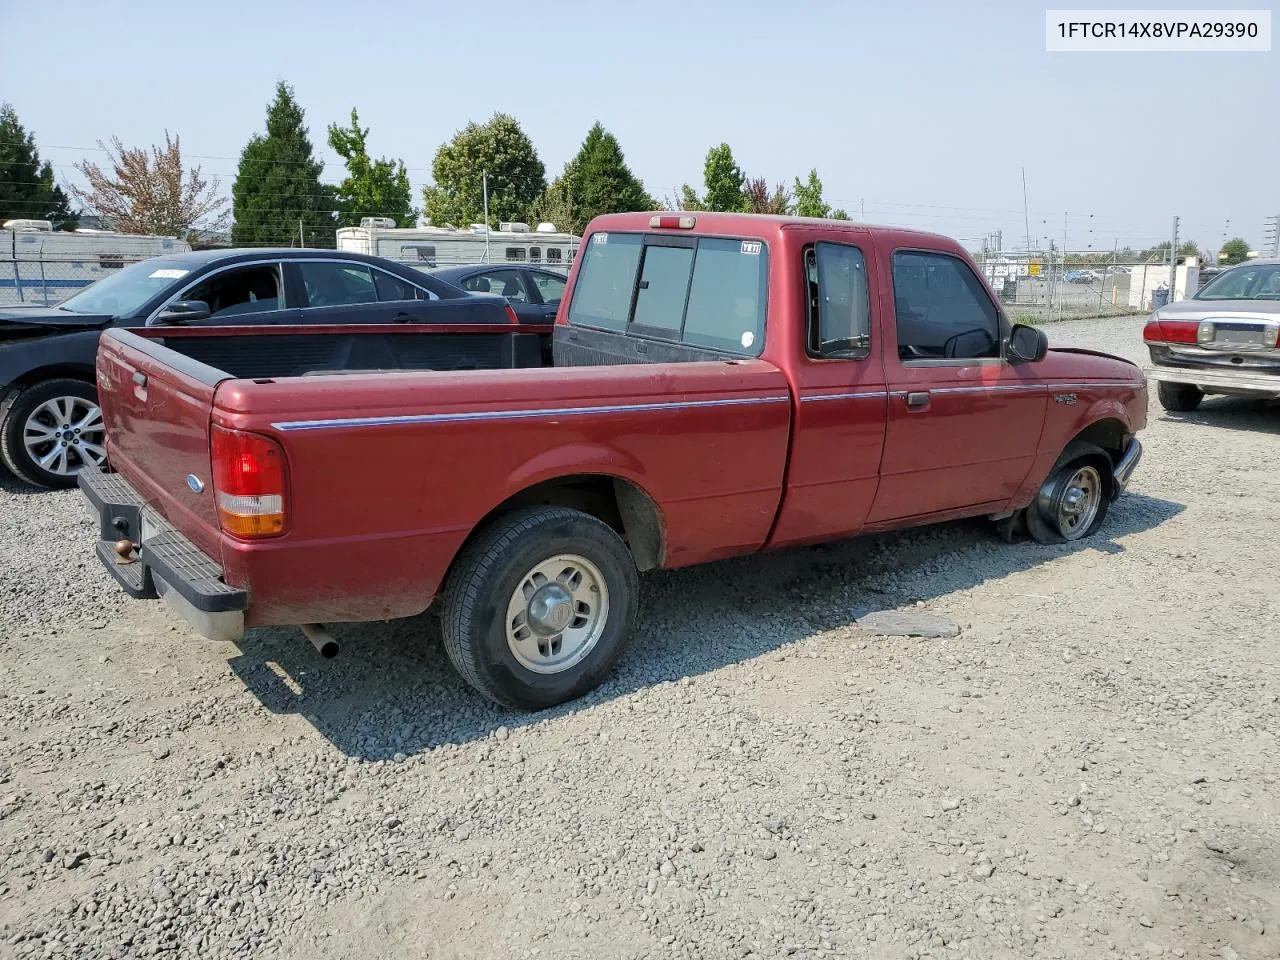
375 514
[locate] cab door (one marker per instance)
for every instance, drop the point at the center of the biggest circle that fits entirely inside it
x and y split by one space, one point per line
963 422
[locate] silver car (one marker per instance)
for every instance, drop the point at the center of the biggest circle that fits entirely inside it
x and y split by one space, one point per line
1225 339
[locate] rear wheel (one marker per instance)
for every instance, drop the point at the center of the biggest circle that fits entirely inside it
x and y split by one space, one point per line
1179 397
1072 503
538 608
51 431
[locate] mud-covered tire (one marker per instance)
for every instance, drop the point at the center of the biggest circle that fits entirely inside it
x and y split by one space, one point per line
1179 397
1051 517
481 589
41 404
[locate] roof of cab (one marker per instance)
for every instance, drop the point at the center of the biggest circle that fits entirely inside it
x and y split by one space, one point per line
754 224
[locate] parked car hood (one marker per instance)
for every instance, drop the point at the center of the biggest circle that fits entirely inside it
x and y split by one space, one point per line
51 317
1200 309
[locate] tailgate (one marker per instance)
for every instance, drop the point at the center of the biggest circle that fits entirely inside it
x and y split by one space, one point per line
156 406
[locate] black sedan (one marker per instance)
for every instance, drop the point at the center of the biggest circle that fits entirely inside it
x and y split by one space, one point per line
50 424
533 293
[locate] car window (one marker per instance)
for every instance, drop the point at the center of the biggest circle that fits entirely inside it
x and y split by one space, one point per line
942 311
330 284
124 293
390 288
708 292
235 292
550 287
505 283
727 296
1261 282
839 305
664 283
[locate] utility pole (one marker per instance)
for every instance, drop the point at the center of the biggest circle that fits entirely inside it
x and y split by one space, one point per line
1026 217
1173 260
485 176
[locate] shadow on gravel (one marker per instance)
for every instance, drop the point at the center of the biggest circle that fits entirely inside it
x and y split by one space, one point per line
392 690
12 486
1233 413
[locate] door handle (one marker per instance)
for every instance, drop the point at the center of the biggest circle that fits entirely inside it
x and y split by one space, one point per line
917 398
140 379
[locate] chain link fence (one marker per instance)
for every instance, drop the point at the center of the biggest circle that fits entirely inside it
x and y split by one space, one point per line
1040 291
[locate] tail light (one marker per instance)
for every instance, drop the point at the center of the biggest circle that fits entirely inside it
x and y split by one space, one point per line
672 223
248 483
1170 331
511 314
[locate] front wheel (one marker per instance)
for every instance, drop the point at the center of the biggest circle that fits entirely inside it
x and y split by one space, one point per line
1179 397
538 608
50 431
1072 503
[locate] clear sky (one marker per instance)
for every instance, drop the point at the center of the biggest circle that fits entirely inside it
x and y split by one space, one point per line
923 114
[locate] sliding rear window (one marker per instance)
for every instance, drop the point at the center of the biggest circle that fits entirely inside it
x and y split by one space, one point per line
705 292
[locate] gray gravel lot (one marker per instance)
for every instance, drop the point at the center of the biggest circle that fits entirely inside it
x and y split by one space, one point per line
1088 770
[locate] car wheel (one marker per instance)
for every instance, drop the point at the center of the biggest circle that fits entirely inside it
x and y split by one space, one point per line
1179 397
538 608
1072 503
52 430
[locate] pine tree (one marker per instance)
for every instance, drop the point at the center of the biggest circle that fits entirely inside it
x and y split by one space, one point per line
601 181
278 194
27 188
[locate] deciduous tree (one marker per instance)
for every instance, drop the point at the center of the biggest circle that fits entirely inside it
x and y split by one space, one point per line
372 188
277 193
758 199
147 190
1234 251
723 179
516 176
27 187
809 202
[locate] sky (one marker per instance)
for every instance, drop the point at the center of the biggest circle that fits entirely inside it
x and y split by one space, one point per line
914 114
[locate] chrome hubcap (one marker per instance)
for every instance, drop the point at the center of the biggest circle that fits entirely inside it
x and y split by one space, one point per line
64 435
557 614
1079 504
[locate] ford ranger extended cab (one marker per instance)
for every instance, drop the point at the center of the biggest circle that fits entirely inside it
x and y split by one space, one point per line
719 385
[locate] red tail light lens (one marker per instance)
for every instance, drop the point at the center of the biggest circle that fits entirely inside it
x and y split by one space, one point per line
248 483
1170 331
511 314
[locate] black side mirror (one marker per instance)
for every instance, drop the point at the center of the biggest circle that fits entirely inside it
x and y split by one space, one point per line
1027 344
184 311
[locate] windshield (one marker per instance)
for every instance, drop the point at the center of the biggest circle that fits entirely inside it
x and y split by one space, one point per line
1261 282
122 294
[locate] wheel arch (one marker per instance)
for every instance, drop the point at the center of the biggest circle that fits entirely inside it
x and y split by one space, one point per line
621 503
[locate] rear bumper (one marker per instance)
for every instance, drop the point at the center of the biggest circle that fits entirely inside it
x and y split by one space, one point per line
167 564
1123 470
1242 382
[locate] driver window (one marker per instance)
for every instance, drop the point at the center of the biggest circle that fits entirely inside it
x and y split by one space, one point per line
234 292
942 311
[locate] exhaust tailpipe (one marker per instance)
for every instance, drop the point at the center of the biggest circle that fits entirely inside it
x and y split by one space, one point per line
321 639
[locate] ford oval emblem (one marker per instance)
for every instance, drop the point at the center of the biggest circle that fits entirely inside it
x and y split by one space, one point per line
195 483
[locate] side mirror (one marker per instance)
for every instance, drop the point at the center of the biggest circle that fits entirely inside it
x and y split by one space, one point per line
1027 344
184 311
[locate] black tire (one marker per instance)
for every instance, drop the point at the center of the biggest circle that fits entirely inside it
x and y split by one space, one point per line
1042 519
1179 397
18 408
483 582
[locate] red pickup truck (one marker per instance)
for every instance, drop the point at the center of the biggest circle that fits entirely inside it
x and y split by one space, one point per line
717 385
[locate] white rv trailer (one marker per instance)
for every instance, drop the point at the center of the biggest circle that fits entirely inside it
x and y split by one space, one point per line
429 247
43 266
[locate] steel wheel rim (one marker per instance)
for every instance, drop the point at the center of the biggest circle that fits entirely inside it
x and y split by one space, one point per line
557 614
64 435
1078 505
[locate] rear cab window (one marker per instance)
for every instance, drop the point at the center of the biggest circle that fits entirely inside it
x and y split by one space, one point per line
701 291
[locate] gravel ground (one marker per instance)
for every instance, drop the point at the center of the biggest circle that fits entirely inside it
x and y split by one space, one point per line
1086 771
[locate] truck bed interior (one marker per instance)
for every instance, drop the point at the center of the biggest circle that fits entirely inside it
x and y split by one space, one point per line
261 353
